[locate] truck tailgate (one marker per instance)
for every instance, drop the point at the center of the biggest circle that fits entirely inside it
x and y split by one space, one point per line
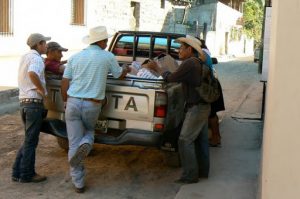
129 103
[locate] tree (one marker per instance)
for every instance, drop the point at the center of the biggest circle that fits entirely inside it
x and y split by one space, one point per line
253 19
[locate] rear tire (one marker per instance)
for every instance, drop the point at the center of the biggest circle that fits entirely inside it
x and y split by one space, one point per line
172 159
63 143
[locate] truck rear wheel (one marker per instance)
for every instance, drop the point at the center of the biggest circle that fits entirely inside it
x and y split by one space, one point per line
172 159
63 143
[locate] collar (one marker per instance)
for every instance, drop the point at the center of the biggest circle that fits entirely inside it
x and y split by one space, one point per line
94 47
35 52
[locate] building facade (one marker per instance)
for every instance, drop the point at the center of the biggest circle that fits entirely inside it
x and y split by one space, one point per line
68 21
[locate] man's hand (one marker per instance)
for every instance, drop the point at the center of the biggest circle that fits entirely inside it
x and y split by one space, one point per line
37 82
41 92
126 69
65 83
154 66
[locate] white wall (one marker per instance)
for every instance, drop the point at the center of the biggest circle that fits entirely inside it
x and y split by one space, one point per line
52 18
203 14
225 20
281 142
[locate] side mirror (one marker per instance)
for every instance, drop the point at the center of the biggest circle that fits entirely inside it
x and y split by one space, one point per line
214 60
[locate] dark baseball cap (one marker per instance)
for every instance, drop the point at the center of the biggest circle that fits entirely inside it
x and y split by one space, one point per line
35 38
55 46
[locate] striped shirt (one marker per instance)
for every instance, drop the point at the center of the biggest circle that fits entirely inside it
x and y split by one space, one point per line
87 72
146 73
31 62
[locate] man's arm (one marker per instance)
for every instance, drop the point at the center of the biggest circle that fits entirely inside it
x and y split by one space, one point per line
65 83
37 82
181 74
126 69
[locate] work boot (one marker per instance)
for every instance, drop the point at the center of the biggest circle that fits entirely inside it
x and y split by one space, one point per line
15 179
36 178
186 181
80 154
79 190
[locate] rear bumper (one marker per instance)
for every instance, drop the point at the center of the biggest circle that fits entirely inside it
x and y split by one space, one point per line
128 137
131 137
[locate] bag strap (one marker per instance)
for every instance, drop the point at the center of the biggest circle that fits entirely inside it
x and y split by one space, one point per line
210 69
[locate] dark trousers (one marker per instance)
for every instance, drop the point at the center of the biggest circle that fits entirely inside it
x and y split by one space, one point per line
32 115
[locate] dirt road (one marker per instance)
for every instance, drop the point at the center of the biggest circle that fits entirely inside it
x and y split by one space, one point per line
112 172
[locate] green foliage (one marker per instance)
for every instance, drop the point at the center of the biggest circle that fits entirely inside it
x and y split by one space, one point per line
235 34
253 19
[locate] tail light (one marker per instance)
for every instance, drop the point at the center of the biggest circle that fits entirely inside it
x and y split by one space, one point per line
160 110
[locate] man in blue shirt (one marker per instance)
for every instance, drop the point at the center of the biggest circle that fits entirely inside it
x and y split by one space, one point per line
83 90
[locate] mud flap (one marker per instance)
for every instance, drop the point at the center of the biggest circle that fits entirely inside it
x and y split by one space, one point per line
170 139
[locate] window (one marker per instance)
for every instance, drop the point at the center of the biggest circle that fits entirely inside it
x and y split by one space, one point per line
162 4
143 47
160 46
6 17
78 12
124 46
174 48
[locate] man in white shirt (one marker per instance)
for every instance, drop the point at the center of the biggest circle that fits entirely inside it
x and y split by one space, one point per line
32 91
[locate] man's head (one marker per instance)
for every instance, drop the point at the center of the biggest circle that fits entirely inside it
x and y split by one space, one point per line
190 47
98 36
54 51
37 41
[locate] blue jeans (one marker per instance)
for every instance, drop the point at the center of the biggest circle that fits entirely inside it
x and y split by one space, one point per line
193 142
81 117
32 116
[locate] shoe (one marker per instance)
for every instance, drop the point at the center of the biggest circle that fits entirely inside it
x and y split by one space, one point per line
215 145
15 179
203 176
80 154
79 190
36 178
186 181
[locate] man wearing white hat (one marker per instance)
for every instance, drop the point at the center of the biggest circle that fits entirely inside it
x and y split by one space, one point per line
193 140
32 91
83 88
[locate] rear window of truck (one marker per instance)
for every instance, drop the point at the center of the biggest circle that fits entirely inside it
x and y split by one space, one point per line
124 46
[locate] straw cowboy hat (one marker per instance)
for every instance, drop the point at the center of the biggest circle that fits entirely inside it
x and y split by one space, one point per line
191 41
98 33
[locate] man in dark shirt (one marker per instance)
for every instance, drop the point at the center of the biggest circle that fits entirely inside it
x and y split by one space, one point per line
193 139
53 61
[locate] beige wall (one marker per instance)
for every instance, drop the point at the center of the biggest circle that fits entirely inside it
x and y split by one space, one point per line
281 145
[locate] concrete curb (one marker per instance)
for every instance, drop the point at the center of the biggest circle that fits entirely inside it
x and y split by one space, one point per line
9 101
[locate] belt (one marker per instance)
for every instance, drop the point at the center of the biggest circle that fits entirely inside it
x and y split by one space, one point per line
91 100
31 100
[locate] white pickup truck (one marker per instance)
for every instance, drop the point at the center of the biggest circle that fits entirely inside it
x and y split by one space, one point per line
146 112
